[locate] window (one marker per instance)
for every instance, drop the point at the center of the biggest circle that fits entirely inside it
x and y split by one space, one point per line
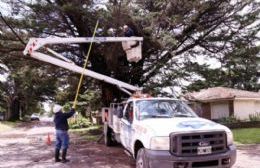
129 112
162 109
120 109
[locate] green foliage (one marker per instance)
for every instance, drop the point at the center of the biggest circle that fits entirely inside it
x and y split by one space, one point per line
49 114
254 117
89 98
175 34
233 50
79 122
92 98
27 85
238 66
2 110
229 120
66 107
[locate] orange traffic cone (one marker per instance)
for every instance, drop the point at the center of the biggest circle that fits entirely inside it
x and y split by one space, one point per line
48 141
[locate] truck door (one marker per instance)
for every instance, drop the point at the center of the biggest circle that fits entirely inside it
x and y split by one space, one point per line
126 126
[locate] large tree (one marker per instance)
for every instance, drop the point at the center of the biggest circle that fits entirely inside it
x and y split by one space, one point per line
238 70
26 85
175 32
227 31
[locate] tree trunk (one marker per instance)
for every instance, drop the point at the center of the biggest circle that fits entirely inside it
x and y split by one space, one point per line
111 94
90 114
8 112
15 110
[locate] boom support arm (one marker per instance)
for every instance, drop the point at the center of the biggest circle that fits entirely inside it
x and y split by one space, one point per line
35 44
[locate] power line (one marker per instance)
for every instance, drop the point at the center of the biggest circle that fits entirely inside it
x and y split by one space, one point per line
19 38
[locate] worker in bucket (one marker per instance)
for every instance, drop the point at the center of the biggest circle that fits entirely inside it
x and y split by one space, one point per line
128 31
62 136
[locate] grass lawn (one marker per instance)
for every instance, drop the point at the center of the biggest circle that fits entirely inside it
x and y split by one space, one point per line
5 125
91 133
247 136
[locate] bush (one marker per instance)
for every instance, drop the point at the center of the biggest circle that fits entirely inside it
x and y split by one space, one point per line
229 120
79 122
254 117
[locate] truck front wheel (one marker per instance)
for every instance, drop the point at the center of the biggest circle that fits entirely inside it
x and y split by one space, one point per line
141 161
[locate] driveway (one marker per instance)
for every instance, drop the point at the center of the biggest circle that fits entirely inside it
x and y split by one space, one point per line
25 146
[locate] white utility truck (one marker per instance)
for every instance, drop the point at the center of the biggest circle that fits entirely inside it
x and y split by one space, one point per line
166 133
158 132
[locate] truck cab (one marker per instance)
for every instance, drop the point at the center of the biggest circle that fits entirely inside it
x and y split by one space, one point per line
165 132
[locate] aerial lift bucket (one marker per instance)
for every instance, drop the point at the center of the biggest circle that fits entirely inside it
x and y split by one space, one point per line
133 50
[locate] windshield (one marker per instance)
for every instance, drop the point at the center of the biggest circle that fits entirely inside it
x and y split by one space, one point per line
162 109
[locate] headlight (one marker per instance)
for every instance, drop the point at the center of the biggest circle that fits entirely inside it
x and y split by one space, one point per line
229 138
160 143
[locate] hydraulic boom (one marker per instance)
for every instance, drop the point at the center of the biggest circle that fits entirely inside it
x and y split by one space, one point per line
36 43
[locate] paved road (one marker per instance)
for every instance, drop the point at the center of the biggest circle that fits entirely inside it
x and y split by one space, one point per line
26 146
248 156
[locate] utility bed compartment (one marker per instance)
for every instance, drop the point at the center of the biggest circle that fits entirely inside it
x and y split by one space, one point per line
111 115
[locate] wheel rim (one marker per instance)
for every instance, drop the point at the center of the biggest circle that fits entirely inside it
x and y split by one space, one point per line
140 163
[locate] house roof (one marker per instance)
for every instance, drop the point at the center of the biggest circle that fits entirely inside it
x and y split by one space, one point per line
220 93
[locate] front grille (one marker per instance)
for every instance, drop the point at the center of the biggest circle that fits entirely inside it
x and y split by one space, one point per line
186 144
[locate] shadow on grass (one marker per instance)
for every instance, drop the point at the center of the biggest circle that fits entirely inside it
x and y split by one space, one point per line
92 133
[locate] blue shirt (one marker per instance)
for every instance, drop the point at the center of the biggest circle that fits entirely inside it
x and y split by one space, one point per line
60 120
129 32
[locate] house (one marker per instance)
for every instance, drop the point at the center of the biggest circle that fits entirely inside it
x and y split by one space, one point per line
219 102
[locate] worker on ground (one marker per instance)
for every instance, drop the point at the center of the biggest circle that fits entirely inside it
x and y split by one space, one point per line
62 136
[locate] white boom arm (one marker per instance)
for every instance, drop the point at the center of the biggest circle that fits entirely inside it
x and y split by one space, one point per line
36 43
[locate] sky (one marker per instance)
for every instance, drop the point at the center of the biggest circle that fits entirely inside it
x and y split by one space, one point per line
2 78
4 9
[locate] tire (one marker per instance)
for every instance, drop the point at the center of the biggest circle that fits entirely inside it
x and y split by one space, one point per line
108 136
141 161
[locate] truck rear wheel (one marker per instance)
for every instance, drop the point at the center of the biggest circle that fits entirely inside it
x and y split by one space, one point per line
141 161
108 137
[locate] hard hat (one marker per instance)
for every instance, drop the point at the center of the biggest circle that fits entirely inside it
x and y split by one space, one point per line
125 26
57 108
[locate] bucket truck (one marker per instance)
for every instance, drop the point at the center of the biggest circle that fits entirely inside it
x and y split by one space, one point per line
157 132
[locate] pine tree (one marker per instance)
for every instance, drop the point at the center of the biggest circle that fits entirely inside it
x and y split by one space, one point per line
175 33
